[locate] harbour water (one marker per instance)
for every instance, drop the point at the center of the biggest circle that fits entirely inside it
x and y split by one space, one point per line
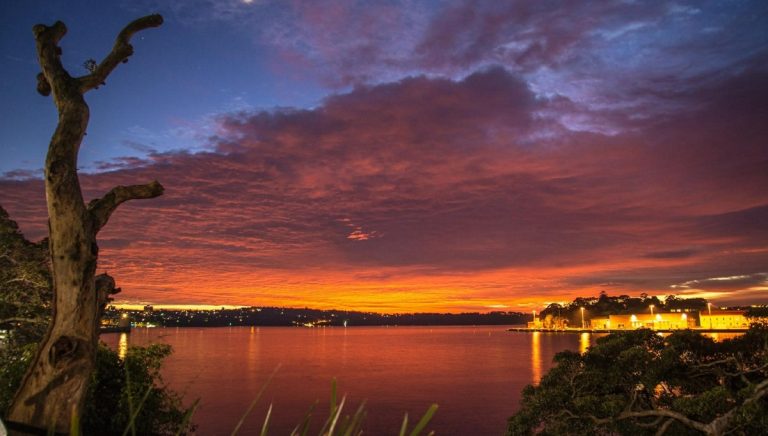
474 374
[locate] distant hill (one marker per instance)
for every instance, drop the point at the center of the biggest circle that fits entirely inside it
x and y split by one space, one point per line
277 316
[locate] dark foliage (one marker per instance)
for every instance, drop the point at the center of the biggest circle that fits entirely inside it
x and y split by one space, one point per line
641 383
25 284
118 386
133 386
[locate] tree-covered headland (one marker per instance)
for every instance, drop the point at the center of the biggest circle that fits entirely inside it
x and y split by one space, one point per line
564 315
638 382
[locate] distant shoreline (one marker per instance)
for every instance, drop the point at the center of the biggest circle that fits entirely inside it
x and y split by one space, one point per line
105 330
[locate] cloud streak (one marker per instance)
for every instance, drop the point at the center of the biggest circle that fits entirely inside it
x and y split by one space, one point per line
435 186
528 156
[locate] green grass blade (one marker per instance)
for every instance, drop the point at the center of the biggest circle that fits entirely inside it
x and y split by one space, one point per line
336 416
255 400
188 417
333 395
74 423
332 411
303 428
135 414
424 420
131 423
265 427
404 427
356 422
341 427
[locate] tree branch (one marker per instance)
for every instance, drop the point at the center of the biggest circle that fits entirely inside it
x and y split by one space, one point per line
101 209
105 286
47 39
651 424
744 372
688 422
7 257
121 51
32 282
714 363
664 427
658 413
720 423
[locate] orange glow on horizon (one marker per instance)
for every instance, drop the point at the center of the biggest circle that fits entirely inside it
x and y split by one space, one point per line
378 290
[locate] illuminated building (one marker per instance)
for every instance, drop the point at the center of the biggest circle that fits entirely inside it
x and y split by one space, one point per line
536 323
601 323
723 319
657 321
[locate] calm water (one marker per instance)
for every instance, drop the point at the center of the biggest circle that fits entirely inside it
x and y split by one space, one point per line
475 374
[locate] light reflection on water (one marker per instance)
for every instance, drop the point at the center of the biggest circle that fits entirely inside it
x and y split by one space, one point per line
584 339
475 374
122 346
536 357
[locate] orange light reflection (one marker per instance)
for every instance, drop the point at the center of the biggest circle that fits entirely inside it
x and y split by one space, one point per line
584 342
536 357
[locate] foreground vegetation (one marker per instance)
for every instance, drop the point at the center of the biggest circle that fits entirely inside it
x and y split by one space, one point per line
123 394
638 382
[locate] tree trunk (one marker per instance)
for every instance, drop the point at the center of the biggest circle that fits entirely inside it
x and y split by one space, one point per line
52 392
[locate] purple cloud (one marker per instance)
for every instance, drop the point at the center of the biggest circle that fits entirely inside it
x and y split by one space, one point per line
465 191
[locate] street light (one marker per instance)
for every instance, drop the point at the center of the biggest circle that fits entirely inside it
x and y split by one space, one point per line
582 319
651 306
709 309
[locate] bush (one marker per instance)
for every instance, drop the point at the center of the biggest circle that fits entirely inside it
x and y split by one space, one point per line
13 365
122 394
640 383
130 393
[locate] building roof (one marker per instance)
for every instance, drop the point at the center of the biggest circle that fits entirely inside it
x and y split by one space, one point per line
723 312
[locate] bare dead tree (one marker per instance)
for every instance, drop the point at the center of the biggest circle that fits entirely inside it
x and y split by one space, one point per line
54 387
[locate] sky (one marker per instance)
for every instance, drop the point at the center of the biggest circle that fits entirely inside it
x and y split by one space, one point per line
400 156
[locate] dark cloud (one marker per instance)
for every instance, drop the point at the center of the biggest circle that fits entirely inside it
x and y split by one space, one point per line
457 191
22 174
525 34
673 254
640 57
138 146
119 163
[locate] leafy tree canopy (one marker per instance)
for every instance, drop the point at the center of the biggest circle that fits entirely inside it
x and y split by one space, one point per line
25 283
605 305
639 382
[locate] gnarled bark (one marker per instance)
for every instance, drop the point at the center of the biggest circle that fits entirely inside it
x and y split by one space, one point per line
54 387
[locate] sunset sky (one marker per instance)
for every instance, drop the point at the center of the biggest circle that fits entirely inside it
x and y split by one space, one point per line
401 156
